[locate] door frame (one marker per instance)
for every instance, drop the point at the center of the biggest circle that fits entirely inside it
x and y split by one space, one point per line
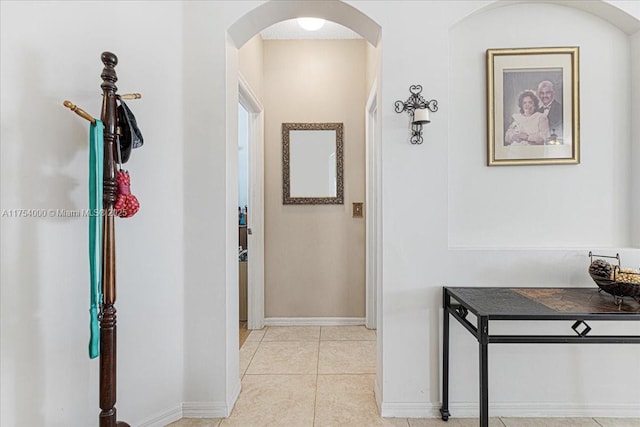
373 203
255 223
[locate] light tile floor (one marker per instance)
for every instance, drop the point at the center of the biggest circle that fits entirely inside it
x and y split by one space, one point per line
312 376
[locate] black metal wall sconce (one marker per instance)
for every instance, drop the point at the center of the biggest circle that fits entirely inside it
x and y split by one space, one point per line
418 109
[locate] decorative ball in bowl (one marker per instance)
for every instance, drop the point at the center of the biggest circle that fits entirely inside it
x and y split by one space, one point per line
619 282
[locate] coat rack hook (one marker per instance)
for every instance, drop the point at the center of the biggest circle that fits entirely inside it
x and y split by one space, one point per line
79 111
131 96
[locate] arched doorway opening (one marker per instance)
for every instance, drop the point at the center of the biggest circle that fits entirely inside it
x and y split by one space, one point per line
238 34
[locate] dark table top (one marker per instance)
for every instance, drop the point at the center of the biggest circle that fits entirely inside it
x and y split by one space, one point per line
544 303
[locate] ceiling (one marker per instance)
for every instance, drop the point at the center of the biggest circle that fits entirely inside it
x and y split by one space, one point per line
288 30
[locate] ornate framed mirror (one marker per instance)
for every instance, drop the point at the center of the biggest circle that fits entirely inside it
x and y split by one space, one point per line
312 164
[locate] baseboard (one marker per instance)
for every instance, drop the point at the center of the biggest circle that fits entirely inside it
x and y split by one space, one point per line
377 395
406 410
511 409
194 410
204 410
547 409
234 397
314 321
164 418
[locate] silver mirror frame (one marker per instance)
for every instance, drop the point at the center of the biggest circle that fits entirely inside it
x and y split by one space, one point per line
286 165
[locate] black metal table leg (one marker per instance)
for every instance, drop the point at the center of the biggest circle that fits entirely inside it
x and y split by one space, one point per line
444 410
483 339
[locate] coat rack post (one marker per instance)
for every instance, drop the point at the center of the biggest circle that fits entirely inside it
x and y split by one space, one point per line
108 312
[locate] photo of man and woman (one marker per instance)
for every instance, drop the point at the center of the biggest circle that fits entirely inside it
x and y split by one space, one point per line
533 107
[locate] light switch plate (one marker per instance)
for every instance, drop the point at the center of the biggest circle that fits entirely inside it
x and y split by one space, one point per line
358 210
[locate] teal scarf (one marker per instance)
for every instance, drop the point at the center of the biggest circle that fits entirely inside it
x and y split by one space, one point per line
96 153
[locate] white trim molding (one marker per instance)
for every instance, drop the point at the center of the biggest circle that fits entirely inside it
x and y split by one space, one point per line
377 394
314 321
163 418
234 397
205 410
373 203
510 409
255 274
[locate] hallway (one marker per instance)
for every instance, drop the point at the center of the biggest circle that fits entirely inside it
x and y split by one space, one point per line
305 376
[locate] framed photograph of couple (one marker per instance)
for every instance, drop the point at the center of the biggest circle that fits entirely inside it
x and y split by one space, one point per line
533 106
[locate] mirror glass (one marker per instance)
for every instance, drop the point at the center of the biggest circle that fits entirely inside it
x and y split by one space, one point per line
312 163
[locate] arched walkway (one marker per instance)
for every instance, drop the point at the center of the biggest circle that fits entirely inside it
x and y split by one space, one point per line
262 17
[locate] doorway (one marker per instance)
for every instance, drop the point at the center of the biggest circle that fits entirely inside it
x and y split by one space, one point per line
253 233
243 210
241 32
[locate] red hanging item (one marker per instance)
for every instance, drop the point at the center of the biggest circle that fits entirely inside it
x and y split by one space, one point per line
126 204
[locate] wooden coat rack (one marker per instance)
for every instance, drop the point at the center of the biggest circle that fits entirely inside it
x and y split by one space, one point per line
107 316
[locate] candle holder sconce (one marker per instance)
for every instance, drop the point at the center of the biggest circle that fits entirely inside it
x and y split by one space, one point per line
418 109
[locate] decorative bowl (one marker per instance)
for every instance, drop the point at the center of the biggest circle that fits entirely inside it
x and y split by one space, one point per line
615 280
617 288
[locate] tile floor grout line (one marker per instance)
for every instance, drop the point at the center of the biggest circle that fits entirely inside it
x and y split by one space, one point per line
597 422
280 374
249 364
315 397
348 373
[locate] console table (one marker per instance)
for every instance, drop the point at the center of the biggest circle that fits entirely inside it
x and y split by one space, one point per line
533 304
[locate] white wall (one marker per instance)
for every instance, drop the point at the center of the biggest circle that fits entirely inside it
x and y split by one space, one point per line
50 52
541 206
210 83
635 138
442 184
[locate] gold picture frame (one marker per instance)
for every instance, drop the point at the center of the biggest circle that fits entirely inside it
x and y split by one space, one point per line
518 80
